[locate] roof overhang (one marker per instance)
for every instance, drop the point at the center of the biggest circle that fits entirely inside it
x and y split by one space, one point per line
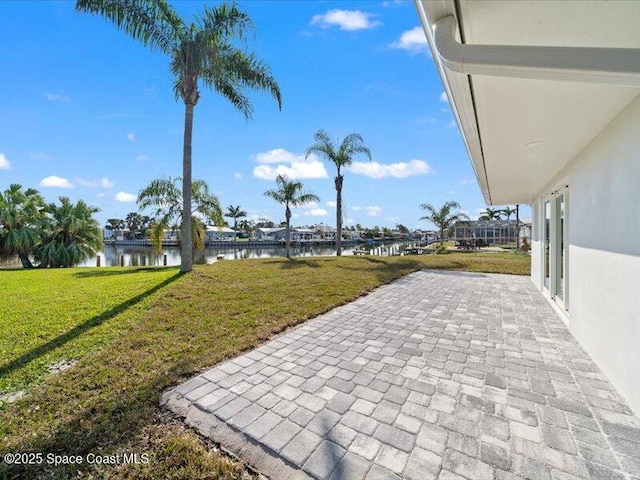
531 83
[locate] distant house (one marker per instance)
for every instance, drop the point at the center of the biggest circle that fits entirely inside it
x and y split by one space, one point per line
324 232
546 97
279 234
424 235
270 234
485 232
350 234
216 233
109 234
302 234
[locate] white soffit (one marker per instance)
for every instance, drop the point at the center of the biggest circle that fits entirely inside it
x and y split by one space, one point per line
527 131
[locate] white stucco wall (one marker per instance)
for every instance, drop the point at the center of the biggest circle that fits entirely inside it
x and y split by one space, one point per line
604 252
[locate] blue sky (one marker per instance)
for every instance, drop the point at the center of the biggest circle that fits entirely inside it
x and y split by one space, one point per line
88 113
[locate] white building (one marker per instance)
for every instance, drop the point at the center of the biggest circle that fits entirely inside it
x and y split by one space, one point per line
545 94
279 234
216 233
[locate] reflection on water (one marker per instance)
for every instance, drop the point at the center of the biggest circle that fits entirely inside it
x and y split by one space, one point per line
145 256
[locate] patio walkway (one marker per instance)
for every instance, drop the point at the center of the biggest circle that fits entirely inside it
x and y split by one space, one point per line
438 375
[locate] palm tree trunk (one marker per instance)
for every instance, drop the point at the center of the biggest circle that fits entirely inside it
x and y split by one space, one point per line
287 233
24 259
338 182
186 236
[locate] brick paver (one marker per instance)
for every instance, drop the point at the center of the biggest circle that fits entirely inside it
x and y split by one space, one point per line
439 375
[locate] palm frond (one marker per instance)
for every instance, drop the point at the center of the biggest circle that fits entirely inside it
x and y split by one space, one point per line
224 21
230 71
304 198
233 94
153 22
341 156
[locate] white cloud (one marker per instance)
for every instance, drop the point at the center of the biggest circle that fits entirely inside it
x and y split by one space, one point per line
332 204
413 41
397 170
4 162
356 208
373 211
469 215
55 181
282 162
277 155
143 158
394 2
103 182
56 97
125 197
467 181
349 20
40 156
101 194
443 97
316 212
237 175
131 137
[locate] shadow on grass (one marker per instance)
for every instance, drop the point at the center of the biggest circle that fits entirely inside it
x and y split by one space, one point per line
295 263
121 271
80 329
450 271
385 265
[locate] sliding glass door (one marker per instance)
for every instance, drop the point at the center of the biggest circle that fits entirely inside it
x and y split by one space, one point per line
560 248
554 236
547 243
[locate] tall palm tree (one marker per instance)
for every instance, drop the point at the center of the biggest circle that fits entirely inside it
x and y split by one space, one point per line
201 52
491 214
165 196
290 194
508 211
235 213
73 236
341 157
22 219
444 217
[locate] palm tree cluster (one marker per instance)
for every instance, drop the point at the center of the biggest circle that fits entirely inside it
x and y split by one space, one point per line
497 213
443 217
290 193
53 235
200 52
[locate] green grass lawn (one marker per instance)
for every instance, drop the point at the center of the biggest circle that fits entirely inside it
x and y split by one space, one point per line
50 316
137 332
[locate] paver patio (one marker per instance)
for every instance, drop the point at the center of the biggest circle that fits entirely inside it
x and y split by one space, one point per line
440 374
